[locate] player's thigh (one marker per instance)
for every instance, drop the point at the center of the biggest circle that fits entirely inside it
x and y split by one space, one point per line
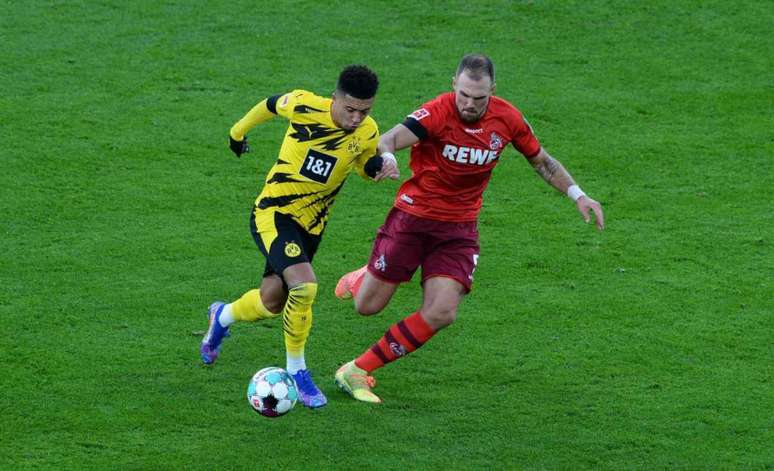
273 293
441 297
288 248
374 294
455 256
299 273
398 249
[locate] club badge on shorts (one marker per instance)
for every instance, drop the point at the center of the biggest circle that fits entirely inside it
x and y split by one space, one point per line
292 249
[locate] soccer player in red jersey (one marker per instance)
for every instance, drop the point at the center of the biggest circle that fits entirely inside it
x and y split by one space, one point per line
456 140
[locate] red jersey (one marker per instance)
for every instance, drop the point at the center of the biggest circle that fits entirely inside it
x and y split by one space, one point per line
453 161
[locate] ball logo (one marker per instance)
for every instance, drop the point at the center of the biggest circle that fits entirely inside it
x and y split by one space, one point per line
292 249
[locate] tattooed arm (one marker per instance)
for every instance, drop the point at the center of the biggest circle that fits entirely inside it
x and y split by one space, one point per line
554 173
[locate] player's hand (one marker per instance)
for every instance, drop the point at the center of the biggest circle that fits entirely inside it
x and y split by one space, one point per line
238 147
389 168
586 205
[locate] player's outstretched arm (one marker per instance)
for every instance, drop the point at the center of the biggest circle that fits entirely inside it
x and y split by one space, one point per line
396 139
554 173
385 165
263 111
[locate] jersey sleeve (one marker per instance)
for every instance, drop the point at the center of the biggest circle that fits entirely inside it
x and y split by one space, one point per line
369 150
427 120
285 105
523 138
263 111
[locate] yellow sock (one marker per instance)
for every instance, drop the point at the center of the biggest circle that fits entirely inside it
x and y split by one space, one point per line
297 317
250 308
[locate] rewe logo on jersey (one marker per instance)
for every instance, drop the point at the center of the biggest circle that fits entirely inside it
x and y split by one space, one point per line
469 155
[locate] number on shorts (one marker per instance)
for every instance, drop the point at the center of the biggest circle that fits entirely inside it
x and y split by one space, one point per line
475 265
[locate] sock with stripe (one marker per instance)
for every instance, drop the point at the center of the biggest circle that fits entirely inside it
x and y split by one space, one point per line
297 322
399 340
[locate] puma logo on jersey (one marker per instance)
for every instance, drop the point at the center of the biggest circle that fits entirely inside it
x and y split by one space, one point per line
469 155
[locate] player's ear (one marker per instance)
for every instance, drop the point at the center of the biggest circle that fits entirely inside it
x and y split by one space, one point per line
494 87
454 82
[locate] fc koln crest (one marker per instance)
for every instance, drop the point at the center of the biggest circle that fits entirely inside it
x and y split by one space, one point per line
495 141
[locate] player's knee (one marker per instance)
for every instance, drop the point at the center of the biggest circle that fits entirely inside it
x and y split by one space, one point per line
440 317
303 293
273 304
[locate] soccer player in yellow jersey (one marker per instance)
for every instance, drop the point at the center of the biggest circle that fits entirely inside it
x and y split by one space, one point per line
326 139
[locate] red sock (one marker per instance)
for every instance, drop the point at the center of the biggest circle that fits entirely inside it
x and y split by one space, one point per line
400 339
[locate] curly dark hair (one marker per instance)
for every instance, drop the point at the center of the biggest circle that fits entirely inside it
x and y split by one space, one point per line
358 81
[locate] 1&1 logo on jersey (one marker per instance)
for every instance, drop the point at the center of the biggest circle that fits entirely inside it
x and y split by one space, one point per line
317 166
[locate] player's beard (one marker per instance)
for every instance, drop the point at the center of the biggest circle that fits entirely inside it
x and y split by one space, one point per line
470 115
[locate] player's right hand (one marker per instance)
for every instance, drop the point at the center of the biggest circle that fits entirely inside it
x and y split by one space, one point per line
239 147
389 168
586 205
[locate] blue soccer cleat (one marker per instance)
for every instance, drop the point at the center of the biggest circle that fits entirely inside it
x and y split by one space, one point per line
215 332
308 393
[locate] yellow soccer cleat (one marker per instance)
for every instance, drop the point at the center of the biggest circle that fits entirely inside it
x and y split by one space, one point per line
356 382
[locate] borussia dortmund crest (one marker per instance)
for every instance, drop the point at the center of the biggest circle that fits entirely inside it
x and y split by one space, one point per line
354 146
292 249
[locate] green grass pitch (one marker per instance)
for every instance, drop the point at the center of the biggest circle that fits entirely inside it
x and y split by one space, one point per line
647 346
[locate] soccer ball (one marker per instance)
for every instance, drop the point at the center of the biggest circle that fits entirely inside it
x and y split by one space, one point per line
272 392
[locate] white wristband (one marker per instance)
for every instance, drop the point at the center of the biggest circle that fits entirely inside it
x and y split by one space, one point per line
389 155
574 192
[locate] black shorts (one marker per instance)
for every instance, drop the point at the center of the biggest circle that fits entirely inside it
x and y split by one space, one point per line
281 240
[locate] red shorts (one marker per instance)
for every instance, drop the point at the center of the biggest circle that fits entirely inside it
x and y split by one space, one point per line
442 248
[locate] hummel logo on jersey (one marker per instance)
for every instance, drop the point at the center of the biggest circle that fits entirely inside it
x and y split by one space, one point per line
469 155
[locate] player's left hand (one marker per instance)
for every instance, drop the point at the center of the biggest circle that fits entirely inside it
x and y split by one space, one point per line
586 205
238 147
389 169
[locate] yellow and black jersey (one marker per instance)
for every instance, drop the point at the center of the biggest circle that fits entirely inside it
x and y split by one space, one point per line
315 158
